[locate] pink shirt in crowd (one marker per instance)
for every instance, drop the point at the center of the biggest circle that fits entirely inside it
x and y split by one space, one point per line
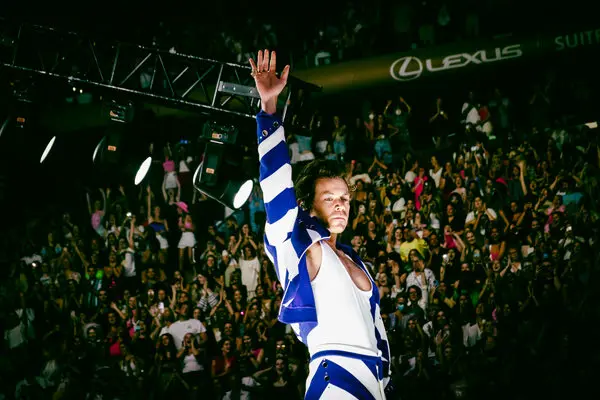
169 166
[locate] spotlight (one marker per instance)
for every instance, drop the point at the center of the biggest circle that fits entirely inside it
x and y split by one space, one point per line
4 125
220 176
119 111
47 149
98 150
109 150
142 170
43 147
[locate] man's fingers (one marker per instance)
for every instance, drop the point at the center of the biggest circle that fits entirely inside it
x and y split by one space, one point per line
259 59
252 64
273 62
285 73
265 64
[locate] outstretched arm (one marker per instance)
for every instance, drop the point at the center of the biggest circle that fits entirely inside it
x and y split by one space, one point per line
280 201
275 168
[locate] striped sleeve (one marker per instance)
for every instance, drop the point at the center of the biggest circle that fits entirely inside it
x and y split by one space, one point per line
276 179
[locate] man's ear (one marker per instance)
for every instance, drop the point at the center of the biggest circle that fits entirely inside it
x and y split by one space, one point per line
302 205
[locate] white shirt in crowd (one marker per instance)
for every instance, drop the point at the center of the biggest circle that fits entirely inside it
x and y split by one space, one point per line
129 264
244 395
191 364
231 267
472 117
31 259
22 332
471 216
181 328
437 176
428 330
413 279
471 334
250 270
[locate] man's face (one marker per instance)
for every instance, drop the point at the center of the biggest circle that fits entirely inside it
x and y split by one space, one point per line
103 296
357 241
495 234
535 225
183 310
496 266
412 294
433 240
331 204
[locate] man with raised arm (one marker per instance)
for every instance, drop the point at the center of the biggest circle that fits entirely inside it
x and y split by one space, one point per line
329 299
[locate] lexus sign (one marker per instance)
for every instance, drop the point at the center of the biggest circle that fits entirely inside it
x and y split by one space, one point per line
410 68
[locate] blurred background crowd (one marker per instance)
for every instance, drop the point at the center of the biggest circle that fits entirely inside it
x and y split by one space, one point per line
344 30
476 214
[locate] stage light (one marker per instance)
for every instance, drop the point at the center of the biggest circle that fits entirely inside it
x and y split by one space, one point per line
142 171
98 149
47 149
4 125
243 194
221 177
119 111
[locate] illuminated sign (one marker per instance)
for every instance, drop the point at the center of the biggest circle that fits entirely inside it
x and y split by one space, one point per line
409 68
577 39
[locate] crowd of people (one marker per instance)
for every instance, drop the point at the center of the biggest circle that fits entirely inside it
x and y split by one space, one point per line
345 30
481 242
481 247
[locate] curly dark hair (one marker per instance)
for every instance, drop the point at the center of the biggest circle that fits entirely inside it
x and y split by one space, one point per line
307 180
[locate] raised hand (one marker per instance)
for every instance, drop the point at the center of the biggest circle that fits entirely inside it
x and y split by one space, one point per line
267 83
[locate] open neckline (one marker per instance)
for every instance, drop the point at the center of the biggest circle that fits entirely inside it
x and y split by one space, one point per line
348 273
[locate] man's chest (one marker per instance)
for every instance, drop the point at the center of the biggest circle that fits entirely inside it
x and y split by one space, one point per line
357 274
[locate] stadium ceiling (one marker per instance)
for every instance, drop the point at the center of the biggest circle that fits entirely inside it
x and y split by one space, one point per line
157 77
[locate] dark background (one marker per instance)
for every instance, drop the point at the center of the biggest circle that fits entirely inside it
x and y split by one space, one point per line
30 187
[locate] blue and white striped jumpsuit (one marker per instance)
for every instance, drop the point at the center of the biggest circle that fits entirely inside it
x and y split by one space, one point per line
340 324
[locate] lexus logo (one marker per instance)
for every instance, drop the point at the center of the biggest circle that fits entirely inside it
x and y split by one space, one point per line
410 68
406 69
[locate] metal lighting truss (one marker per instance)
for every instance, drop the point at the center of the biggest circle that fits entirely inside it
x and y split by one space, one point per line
158 76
